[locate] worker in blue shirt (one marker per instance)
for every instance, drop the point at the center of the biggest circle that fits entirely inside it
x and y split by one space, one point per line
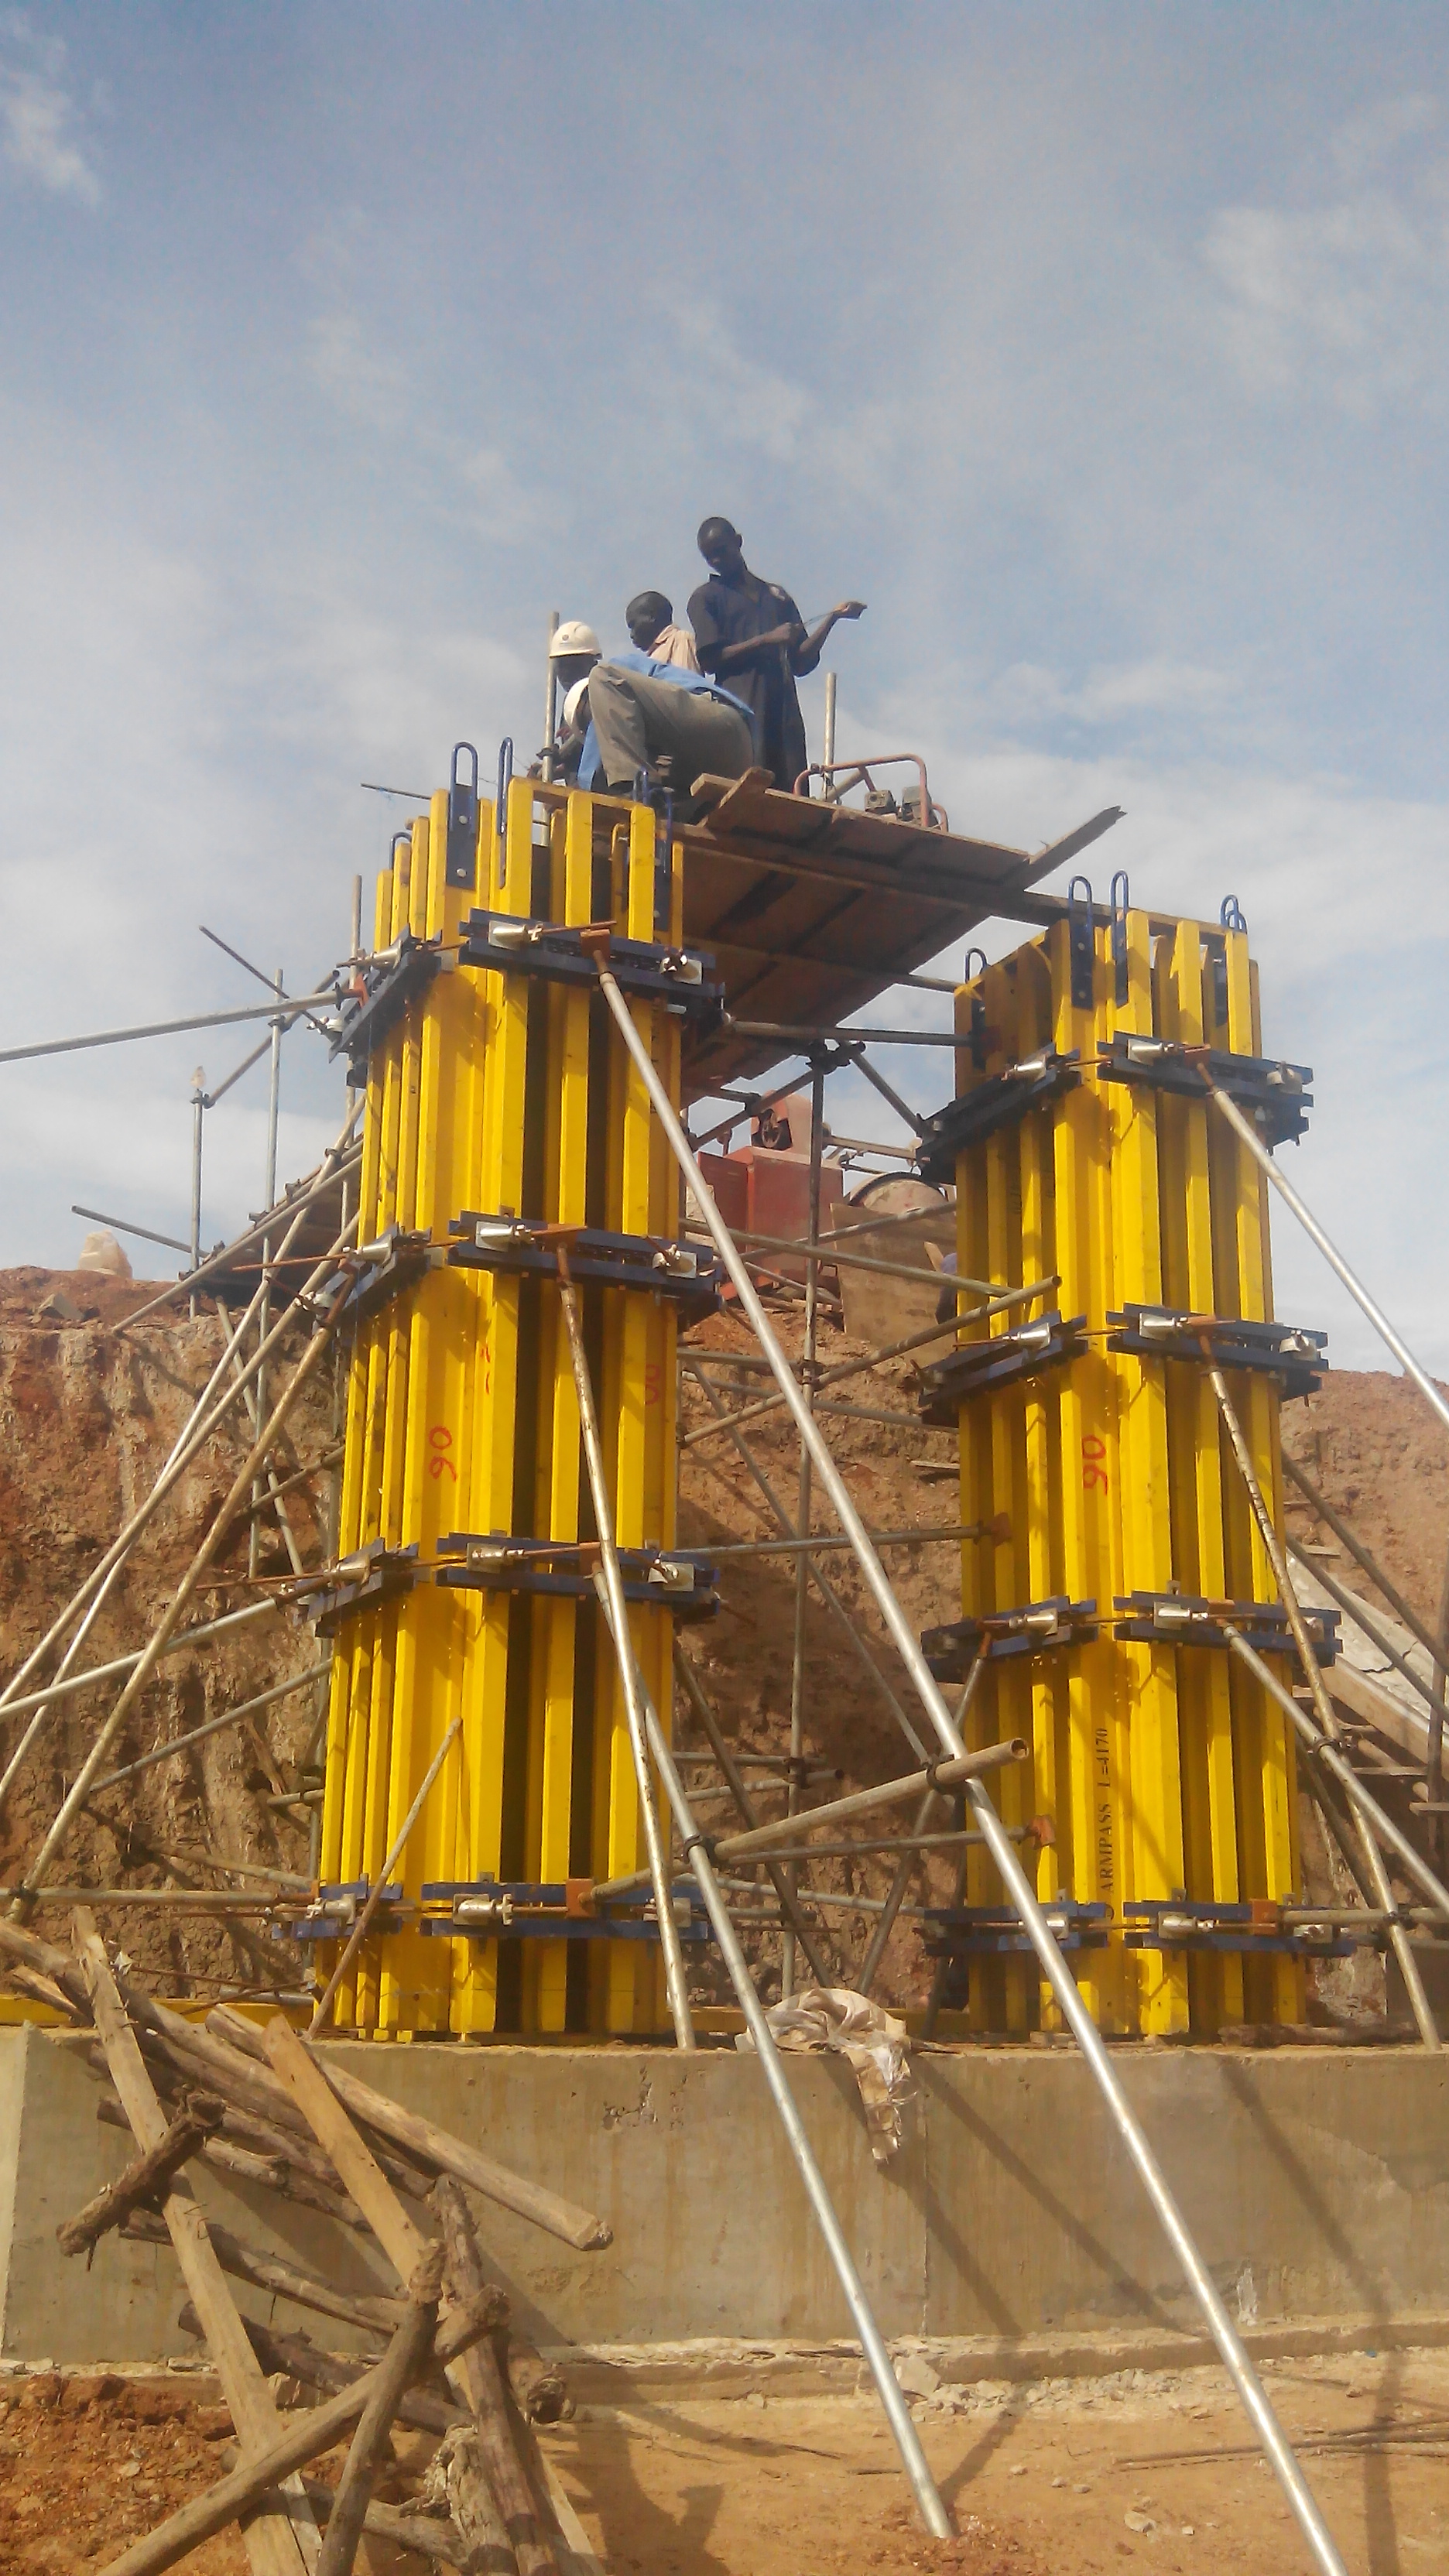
642 712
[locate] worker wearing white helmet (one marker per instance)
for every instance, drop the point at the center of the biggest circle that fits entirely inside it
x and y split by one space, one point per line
573 652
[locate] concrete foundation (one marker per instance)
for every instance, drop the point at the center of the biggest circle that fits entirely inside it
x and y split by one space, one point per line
1316 2180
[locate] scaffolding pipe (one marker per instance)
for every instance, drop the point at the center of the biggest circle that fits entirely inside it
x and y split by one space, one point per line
344 1158
949 1773
835 1259
1378 1877
80 1787
274 1097
1251 2391
550 700
164 1028
1363 1616
90 1596
124 1225
126 1663
1249 1136
193 1434
684 1673
818 1576
213 1726
853 1368
878 2360
932 1537
1411 1862
198 1114
609 1586
378 1889
804 1491
896 1895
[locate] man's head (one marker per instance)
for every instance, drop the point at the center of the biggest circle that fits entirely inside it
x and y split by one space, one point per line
574 651
646 617
721 547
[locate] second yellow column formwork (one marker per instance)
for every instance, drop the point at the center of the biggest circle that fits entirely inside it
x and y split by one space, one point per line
502 1093
1158 1772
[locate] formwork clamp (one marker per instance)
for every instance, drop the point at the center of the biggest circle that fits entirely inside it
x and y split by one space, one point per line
1001 1102
564 1568
1007 1359
1288 1352
1036 1629
506 944
334 1910
377 1272
690 1276
381 988
1185 1619
363 1581
492 1909
1270 1091
1183 1923
960 1933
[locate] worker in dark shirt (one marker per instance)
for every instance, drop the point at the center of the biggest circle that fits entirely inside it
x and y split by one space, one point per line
751 635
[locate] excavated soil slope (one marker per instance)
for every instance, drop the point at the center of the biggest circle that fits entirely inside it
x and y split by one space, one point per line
88 1414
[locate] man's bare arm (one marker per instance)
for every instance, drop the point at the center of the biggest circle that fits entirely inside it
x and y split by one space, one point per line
716 659
805 654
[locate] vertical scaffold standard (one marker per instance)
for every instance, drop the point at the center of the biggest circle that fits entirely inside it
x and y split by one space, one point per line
502 1110
1082 1144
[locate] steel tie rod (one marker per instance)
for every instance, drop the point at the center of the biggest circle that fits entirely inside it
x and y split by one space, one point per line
1251 2391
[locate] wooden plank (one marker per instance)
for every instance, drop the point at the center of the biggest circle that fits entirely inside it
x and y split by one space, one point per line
374 2194
402 2363
357 2167
305 2436
276 2544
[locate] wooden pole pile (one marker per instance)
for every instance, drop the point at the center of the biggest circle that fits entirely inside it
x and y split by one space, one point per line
432 2353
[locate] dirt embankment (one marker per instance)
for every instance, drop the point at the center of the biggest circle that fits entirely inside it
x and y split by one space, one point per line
1373 1449
88 1415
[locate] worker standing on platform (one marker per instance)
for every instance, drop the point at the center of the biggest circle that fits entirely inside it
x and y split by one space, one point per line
751 635
650 620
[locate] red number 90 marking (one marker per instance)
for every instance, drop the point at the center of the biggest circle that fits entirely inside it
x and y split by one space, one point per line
1093 1471
440 1441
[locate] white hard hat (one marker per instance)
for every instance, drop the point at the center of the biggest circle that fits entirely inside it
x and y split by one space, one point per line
571 702
574 637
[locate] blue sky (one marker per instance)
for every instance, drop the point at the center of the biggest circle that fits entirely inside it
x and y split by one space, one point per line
1102 349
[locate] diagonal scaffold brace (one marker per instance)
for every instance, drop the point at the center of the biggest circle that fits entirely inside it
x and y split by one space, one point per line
699 1855
1276 2447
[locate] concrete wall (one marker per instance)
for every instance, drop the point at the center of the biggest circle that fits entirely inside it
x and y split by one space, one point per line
1317 2181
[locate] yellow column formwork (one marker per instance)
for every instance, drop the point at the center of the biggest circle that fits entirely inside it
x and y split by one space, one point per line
1159 1770
502 1093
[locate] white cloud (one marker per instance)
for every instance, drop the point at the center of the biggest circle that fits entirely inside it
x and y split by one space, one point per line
1347 298
1368 140
375 389
1158 686
749 402
37 116
370 388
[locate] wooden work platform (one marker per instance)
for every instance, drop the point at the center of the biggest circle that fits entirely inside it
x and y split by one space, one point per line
810 910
